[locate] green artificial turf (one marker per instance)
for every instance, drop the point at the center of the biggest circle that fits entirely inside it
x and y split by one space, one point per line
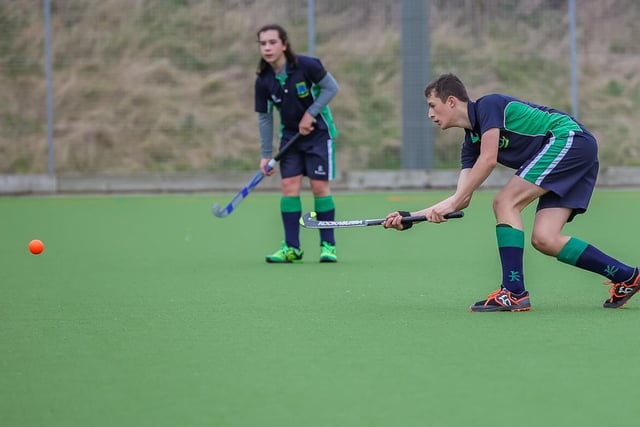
149 311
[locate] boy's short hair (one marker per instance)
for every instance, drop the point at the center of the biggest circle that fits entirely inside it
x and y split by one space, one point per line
445 86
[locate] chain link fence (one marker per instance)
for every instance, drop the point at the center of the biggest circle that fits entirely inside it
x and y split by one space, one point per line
166 86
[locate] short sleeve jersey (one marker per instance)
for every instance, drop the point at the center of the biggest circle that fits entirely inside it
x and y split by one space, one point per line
525 128
292 97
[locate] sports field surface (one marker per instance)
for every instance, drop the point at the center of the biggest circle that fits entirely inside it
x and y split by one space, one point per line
150 311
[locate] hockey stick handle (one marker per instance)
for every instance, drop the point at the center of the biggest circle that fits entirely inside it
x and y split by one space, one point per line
242 194
417 218
421 218
284 149
286 146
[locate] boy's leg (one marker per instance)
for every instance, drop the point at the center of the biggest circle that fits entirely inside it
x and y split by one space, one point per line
512 295
548 238
624 278
511 248
508 204
587 257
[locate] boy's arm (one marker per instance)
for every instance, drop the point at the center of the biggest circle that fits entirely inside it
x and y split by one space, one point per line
471 179
468 181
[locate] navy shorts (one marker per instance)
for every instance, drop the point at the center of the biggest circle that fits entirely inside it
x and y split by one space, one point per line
312 155
567 166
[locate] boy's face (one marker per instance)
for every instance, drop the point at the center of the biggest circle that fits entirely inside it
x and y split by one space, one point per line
271 48
441 113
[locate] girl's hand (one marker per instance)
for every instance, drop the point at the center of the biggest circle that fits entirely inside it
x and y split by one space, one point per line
305 127
263 167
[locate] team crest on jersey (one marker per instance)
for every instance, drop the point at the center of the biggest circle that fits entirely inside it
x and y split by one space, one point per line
302 90
504 142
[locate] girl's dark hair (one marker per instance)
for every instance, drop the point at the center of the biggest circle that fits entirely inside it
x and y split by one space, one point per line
445 86
284 37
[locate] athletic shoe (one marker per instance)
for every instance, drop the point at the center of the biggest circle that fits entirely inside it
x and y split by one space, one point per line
328 252
503 300
621 293
285 254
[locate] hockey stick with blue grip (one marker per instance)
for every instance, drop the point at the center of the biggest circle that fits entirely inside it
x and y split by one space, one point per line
242 194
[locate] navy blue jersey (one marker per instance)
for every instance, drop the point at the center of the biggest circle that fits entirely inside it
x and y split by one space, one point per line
294 96
524 128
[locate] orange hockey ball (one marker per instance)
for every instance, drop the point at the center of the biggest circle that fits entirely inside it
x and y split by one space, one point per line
36 246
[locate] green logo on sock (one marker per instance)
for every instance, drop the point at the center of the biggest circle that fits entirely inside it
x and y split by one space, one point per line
611 270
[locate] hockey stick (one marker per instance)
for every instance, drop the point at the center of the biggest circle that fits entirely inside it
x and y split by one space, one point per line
242 194
309 220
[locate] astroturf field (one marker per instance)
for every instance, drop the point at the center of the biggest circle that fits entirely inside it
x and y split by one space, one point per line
150 311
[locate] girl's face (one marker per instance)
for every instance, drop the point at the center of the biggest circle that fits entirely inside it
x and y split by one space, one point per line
272 49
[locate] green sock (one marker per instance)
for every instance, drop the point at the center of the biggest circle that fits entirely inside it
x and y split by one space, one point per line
511 248
325 209
587 257
291 209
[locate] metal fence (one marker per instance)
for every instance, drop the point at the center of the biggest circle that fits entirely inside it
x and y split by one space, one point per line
142 86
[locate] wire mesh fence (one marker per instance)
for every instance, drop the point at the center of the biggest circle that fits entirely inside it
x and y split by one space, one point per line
167 85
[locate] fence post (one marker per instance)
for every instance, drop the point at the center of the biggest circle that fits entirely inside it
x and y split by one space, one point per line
311 28
574 61
417 134
49 77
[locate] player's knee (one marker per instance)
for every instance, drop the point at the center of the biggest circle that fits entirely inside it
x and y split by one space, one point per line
543 243
502 204
320 188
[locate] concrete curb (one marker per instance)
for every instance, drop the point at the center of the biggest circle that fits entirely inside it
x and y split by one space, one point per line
235 181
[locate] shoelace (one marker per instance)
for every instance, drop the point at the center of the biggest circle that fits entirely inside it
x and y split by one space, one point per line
614 286
509 294
612 289
285 249
327 246
494 294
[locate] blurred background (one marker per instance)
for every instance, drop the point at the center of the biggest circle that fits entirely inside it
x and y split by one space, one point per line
166 86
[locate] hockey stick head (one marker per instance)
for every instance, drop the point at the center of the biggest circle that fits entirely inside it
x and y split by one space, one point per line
219 212
242 194
310 220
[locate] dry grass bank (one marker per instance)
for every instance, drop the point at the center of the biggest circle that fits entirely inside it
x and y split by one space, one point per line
167 85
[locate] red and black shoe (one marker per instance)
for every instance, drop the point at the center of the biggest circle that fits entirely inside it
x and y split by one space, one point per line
621 293
503 300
